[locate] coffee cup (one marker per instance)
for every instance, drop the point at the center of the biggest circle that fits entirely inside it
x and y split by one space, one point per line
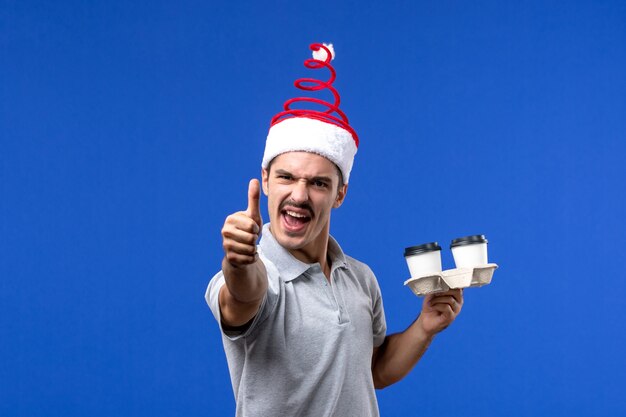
469 251
423 260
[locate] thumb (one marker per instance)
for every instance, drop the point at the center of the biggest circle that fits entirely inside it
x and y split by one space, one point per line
254 196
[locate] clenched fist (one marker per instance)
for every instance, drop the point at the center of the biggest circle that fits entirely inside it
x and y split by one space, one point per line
242 229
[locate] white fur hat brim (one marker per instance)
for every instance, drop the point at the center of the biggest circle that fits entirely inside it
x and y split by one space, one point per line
311 135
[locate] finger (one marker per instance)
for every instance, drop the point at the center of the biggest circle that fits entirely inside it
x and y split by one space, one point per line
240 221
241 237
429 298
239 248
444 309
254 196
457 294
443 299
447 301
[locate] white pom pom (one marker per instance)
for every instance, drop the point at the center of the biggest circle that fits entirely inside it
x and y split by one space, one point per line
321 55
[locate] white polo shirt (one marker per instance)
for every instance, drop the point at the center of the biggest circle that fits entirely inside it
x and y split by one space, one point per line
308 351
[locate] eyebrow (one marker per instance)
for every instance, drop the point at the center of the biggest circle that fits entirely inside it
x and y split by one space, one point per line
323 179
317 178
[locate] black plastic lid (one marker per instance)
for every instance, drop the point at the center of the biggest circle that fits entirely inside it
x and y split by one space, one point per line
468 240
426 247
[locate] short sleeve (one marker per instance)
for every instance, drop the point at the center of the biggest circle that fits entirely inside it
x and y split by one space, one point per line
266 308
379 324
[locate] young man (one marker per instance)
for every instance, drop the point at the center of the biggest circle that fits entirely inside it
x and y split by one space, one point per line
303 324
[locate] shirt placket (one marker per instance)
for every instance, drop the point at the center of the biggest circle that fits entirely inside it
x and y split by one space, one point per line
332 293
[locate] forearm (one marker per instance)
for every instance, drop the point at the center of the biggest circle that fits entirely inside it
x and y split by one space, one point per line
245 283
399 354
245 288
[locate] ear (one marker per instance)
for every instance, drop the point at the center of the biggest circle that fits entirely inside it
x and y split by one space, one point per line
341 195
264 179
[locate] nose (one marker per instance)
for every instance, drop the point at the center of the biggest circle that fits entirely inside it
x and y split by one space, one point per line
300 191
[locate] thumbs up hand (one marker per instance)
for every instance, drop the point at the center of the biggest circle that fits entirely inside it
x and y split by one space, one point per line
242 229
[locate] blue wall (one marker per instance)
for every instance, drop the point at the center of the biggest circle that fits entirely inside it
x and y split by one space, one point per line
129 130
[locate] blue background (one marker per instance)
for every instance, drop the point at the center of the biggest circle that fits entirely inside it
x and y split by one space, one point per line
129 130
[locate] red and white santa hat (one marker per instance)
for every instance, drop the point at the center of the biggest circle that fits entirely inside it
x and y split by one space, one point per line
324 132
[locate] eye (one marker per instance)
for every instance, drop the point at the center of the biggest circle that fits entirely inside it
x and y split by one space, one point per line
320 184
284 176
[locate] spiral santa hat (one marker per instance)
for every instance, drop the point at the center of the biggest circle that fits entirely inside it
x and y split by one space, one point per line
327 133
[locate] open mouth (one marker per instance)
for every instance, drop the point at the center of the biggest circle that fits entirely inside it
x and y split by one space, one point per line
295 220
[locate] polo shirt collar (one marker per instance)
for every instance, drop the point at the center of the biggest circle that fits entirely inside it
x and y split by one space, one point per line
289 266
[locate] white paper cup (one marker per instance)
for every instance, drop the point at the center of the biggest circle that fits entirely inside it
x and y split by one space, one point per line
469 251
423 260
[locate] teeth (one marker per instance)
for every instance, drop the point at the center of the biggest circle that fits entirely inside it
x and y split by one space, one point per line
294 214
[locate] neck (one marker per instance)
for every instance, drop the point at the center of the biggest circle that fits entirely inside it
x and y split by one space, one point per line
316 251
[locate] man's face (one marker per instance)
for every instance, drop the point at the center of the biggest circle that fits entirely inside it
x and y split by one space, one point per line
302 188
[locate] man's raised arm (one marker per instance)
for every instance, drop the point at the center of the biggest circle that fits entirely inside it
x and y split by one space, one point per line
244 272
